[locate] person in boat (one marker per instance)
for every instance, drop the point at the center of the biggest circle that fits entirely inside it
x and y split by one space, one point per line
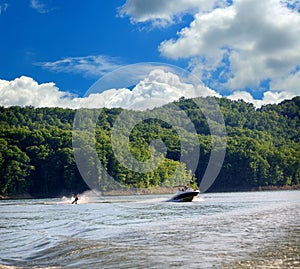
185 188
75 198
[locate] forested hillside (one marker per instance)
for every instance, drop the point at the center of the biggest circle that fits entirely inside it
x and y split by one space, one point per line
36 154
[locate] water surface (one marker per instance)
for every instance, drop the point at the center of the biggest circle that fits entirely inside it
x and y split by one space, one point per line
219 230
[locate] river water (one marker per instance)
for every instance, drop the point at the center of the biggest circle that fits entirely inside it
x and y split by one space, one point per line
218 230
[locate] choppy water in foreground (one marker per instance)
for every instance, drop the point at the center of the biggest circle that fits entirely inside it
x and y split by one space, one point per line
220 230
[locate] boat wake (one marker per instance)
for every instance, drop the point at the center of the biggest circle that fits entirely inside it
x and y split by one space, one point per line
90 197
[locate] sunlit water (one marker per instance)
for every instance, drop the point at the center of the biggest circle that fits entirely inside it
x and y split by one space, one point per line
220 230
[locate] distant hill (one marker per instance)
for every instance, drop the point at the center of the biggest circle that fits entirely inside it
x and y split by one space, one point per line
263 150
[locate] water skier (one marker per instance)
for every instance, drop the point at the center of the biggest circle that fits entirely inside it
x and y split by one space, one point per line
75 197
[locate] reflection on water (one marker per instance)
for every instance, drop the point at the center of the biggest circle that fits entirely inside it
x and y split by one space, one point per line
221 230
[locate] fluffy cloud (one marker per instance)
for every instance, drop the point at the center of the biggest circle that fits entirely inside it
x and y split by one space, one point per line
158 88
244 44
269 97
89 65
24 91
163 13
290 82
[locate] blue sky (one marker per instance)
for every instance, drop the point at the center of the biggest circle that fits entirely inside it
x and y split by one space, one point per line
55 50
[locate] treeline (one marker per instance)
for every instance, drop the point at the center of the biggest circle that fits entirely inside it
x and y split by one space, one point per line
37 156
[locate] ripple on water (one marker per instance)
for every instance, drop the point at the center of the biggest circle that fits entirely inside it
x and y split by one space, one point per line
240 230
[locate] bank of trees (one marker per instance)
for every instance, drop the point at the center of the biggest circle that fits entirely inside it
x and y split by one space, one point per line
36 153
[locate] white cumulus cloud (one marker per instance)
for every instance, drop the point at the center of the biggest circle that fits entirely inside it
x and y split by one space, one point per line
158 88
164 13
269 97
25 91
232 45
250 41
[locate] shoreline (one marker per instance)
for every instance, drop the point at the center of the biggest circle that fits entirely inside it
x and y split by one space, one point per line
151 191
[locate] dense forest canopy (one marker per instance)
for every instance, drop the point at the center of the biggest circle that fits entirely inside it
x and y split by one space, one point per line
37 158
